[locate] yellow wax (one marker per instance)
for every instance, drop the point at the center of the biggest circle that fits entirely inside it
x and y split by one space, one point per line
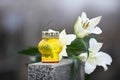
50 49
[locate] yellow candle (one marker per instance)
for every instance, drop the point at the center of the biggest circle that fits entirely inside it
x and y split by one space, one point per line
50 46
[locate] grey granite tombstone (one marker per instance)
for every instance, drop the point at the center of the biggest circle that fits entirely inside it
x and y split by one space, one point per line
50 71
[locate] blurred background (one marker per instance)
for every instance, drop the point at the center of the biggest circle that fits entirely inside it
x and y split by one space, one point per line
21 23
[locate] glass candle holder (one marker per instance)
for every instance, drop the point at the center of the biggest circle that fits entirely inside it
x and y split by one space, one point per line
50 46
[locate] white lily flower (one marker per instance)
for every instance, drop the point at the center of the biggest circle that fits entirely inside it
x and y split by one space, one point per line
65 40
95 58
85 26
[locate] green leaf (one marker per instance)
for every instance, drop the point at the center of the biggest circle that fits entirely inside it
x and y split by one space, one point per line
76 47
92 36
32 51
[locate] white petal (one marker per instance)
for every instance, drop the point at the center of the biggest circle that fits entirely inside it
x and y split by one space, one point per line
80 29
63 53
94 45
77 25
97 30
83 15
81 35
62 37
70 38
81 32
89 68
83 57
60 56
103 59
94 22
66 39
63 32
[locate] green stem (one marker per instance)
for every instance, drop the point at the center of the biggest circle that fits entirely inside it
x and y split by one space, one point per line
85 45
86 77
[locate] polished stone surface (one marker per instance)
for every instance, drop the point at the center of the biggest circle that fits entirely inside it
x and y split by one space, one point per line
50 71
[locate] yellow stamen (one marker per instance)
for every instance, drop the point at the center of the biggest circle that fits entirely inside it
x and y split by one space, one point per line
85 24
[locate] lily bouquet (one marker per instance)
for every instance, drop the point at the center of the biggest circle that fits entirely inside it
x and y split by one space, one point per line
82 46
